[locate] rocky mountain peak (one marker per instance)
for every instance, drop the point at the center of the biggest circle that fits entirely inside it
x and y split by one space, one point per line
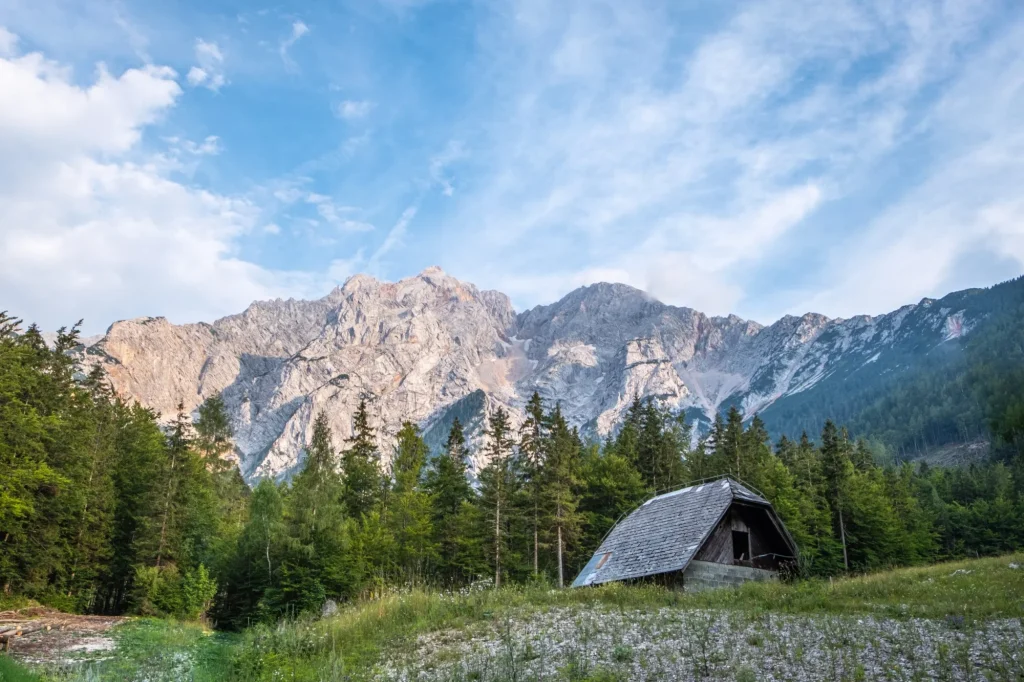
430 347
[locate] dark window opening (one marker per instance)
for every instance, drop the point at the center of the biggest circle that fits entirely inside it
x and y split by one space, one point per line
740 546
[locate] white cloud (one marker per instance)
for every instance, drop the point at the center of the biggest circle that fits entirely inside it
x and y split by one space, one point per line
439 164
969 204
210 70
610 151
95 228
394 239
341 269
210 146
299 29
196 76
353 109
8 41
332 213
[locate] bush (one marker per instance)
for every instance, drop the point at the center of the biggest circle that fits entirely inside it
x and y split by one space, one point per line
165 592
197 592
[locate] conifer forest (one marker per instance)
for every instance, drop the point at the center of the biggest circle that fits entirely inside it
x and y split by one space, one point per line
105 509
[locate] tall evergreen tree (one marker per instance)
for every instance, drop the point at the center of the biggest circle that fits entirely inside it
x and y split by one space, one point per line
253 569
498 486
360 465
560 486
611 488
533 446
450 495
316 566
410 514
837 471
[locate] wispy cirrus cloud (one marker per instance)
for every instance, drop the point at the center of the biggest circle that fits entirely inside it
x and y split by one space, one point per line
209 71
350 109
693 172
298 30
761 158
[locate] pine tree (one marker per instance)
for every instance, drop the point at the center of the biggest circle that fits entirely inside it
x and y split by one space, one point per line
317 564
410 515
450 494
727 438
253 569
560 483
611 488
837 471
627 441
498 485
179 441
532 448
139 469
214 432
360 465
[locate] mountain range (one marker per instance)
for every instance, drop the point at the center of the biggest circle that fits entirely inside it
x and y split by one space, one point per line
430 347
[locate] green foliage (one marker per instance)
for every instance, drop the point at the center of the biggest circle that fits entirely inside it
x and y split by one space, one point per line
360 465
560 479
93 493
451 512
919 398
197 592
316 563
103 510
499 484
410 507
10 671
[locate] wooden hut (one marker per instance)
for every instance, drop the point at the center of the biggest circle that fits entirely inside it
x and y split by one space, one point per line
712 534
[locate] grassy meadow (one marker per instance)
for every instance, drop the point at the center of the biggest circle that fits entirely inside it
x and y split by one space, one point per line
951 621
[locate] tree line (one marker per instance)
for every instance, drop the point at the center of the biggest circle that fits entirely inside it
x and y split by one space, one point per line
104 510
962 390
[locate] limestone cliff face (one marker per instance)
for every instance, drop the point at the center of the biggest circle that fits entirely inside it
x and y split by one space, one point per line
409 348
428 347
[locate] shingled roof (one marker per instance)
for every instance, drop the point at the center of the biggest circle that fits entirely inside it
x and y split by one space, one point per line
665 532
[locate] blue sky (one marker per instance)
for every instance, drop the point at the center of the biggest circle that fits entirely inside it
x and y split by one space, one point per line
763 158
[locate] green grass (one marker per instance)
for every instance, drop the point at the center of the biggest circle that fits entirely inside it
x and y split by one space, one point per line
348 645
10 671
974 588
146 649
9 603
351 642
153 649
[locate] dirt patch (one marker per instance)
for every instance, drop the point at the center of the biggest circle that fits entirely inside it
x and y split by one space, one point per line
38 634
956 454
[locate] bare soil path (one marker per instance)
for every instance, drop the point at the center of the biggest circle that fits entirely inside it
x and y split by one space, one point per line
38 634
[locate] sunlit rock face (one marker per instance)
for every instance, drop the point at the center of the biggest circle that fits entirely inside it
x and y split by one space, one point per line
431 347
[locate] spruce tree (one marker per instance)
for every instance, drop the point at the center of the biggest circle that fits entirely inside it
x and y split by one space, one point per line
360 465
450 493
410 513
316 566
532 451
253 569
837 471
179 442
727 438
611 488
498 486
214 432
560 486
